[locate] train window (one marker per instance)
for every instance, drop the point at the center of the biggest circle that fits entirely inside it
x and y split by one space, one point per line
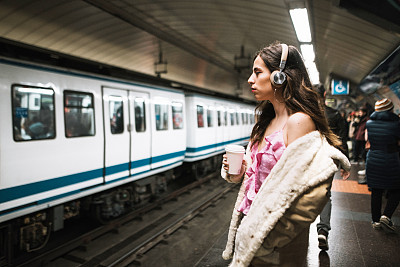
161 111
116 114
200 116
237 118
219 117
244 118
177 115
251 116
210 117
78 114
232 118
33 113
225 118
140 115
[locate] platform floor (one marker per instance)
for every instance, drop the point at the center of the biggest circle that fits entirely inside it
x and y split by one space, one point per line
352 240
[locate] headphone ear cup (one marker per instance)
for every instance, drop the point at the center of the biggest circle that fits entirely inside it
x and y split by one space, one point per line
271 77
277 78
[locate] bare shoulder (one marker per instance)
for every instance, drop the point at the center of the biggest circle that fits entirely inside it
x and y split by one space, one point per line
298 119
298 125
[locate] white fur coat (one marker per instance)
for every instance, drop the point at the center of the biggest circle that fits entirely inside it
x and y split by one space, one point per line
305 163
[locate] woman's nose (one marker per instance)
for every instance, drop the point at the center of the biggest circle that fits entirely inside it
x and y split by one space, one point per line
250 80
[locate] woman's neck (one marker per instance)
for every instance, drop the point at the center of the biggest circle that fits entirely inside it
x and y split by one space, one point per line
281 112
280 119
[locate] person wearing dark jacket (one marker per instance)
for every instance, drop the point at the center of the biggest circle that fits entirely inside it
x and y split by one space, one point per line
383 163
338 126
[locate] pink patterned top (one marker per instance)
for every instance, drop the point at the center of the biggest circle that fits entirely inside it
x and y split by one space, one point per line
263 162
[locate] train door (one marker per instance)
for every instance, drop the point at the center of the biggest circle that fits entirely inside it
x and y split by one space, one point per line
220 127
140 132
116 134
212 116
226 127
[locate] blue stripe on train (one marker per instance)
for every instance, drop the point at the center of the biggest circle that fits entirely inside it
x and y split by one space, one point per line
21 191
109 182
16 192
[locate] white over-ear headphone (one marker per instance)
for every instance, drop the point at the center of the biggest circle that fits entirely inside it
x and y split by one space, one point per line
278 77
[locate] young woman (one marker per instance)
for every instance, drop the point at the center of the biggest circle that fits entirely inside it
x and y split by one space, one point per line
288 167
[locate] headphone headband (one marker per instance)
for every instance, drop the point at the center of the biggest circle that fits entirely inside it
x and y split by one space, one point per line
285 51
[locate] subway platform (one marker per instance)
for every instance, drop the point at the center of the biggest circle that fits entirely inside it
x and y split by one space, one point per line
352 240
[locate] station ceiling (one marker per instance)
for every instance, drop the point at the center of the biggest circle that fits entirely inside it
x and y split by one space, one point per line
199 39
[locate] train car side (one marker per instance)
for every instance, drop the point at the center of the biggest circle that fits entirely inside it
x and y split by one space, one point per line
74 143
65 136
213 124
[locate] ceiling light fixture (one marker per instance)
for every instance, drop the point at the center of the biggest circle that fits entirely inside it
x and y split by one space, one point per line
301 25
312 71
307 50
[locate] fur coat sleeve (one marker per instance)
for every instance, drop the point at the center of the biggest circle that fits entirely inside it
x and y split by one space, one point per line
306 163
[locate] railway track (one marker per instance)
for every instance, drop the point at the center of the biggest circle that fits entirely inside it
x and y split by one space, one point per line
128 240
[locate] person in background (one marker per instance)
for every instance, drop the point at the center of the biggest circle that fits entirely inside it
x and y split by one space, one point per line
359 135
346 125
288 166
336 121
37 129
383 163
338 126
351 119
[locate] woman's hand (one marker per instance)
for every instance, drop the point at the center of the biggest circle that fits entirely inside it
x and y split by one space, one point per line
235 178
345 174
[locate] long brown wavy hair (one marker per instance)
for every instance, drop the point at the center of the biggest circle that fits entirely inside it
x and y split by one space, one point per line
297 94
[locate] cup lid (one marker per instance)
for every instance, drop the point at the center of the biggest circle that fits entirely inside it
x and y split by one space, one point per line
235 149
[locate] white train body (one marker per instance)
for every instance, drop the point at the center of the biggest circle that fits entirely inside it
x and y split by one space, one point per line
66 135
214 123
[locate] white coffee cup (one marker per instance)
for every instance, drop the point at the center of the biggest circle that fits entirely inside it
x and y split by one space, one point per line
234 155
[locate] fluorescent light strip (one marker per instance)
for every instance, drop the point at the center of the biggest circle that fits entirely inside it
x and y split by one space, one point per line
307 50
301 25
312 71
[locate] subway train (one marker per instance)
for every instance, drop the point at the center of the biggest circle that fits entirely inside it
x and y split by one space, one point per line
73 142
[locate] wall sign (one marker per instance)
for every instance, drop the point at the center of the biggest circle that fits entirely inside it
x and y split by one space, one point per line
340 87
